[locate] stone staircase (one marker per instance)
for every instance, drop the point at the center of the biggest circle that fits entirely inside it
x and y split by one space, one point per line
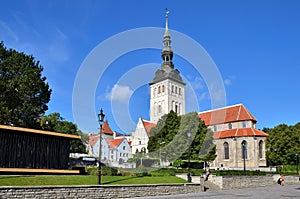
205 185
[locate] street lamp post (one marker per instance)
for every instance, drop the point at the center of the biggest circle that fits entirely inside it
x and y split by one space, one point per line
101 116
189 158
160 161
297 169
275 149
244 156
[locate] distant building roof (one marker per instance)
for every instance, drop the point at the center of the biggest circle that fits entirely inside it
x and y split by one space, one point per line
226 115
239 132
106 129
148 126
115 143
93 139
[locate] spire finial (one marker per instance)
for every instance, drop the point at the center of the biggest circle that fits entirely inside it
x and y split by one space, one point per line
167 26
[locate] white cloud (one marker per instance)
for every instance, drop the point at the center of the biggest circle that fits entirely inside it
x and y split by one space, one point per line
228 81
119 93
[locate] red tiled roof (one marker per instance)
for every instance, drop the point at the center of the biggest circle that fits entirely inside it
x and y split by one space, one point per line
114 143
106 129
240 132
93 139
148 126
227 114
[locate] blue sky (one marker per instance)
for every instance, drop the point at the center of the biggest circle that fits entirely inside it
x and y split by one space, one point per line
255 46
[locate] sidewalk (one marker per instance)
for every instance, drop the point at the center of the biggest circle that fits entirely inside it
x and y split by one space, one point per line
274 192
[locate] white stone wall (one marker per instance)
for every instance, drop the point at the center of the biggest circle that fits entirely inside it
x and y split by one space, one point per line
165 96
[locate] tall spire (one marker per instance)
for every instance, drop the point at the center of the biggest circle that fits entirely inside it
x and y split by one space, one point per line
167 53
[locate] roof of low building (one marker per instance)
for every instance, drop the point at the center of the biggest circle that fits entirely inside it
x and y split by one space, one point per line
239 132
115 142
36 131
106 129
93 140
148 126
226 115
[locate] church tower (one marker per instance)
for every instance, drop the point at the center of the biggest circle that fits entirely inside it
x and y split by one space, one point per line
167 88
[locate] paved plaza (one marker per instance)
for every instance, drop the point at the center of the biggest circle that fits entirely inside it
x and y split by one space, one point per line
273 192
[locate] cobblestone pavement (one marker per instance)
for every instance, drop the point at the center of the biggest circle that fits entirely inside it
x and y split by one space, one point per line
272 192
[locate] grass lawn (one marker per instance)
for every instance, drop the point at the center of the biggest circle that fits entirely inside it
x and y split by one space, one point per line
84 180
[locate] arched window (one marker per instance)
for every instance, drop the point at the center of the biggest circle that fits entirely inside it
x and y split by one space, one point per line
179 91
244 150
260 149
158 90
176 108
229 126
172 89
159 108
226 150
163 88
143 150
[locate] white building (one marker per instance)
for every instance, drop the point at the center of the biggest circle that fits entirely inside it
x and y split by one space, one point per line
115 150
140 136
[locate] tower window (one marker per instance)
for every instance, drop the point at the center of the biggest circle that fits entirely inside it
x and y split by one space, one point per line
158 90
179 91
176 108
159 108
229 126
163 88
176 89
244 124
172 88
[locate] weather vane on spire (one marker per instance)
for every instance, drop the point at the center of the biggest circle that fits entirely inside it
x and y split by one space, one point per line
167 12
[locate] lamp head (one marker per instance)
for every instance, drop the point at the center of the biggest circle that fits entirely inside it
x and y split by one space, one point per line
101 116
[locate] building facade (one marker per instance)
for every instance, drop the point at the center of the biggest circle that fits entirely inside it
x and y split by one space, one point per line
140 136
238 143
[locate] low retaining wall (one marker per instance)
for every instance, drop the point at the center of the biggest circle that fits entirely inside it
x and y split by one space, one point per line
237 182
101 191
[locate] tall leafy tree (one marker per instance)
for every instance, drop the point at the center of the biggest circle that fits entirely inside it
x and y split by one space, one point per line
24 92
54 122
282 144
177 133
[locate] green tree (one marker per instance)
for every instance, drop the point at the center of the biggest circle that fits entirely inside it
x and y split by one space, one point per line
173 130
24 92
54 122
282 144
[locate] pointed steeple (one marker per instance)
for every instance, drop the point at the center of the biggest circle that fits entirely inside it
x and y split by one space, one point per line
167 70
167 53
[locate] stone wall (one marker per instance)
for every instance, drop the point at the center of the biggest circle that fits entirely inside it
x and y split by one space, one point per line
237 182
106 191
